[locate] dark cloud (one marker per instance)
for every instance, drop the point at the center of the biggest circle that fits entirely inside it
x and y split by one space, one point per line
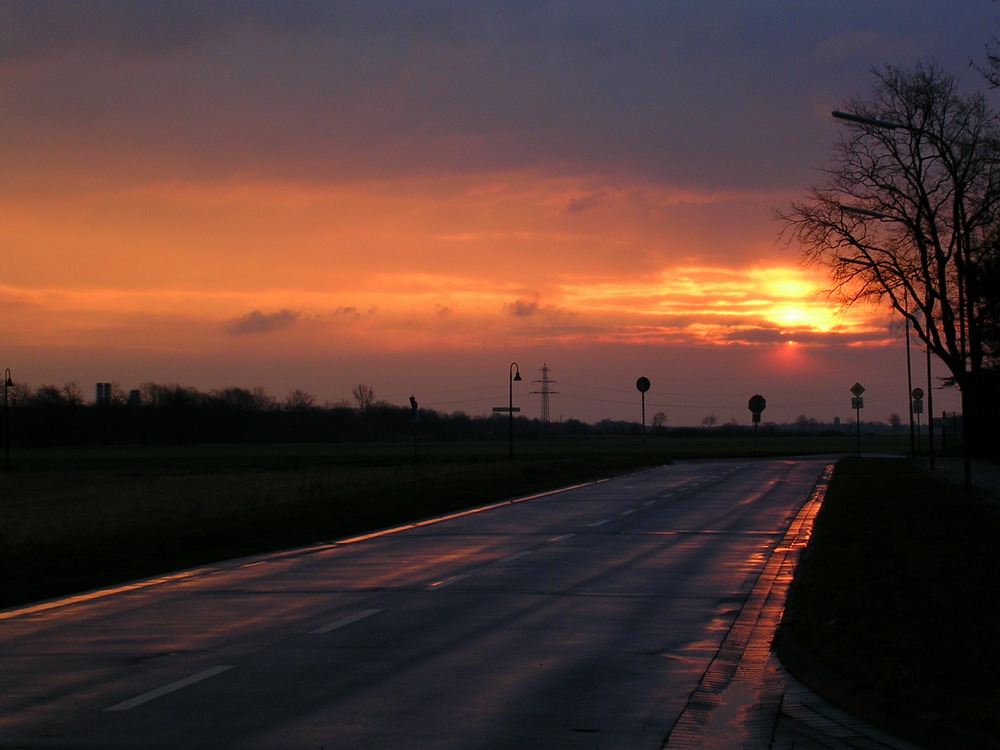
258 322
700 94
523 308
581 203
527 308
763 334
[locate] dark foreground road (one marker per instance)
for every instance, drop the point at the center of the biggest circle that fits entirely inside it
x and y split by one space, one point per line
615 615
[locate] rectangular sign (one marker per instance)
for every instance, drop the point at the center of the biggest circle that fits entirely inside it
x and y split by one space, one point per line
857 403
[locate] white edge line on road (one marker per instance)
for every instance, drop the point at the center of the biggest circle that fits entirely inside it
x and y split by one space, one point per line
516 556
448 581
459 514
345 621
173 686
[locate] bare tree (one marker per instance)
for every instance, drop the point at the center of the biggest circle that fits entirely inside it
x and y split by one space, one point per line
909 214
72 393
805 422
299 400
991 71
20 394
710 421
364 396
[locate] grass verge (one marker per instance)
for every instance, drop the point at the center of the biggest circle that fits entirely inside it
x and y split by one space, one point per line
898 589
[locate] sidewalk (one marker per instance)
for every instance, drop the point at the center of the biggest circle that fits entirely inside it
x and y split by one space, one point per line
985 475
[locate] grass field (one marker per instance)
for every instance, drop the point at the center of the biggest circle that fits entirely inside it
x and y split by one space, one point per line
295 455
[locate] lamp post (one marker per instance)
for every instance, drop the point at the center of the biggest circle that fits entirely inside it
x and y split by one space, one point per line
964 298
515 374
7 382
909 375
930 412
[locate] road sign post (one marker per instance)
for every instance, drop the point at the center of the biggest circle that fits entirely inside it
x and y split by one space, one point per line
642 385
416 418
858 403
756 404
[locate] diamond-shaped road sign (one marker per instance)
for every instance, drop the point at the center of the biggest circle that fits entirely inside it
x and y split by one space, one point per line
857 389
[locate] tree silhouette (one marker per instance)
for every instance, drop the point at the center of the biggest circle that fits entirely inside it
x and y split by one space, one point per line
909 215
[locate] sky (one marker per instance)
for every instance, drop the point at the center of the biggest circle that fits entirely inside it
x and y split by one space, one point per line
415 195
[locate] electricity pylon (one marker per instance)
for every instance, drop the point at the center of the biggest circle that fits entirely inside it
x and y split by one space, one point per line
545 392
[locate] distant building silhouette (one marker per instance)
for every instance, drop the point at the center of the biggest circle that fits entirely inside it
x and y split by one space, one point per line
103 394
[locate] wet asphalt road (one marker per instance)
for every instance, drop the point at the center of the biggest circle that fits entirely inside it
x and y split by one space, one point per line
633 613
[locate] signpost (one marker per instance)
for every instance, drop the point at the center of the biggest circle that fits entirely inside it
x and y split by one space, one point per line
858 403
642 385
756 404
917 408
510 411
416 418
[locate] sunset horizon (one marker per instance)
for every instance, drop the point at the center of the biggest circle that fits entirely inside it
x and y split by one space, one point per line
297 196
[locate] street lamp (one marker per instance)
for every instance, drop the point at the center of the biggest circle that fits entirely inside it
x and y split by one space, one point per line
7 382
873 122
515 374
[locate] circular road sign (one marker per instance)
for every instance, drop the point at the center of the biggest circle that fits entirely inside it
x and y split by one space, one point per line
642 385
918 393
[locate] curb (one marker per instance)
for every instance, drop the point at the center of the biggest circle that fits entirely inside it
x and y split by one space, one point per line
926 728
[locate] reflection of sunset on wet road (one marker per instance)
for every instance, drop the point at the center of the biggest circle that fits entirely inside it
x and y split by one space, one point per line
298 196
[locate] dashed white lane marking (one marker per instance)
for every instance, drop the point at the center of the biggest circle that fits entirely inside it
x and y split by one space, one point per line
345 621
598 523
564 537
650 502
448 581
627 512
516 556
173 686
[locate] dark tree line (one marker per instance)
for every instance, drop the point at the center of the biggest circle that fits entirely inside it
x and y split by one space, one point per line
158 414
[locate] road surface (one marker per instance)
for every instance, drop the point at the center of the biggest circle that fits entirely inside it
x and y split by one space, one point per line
620 614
